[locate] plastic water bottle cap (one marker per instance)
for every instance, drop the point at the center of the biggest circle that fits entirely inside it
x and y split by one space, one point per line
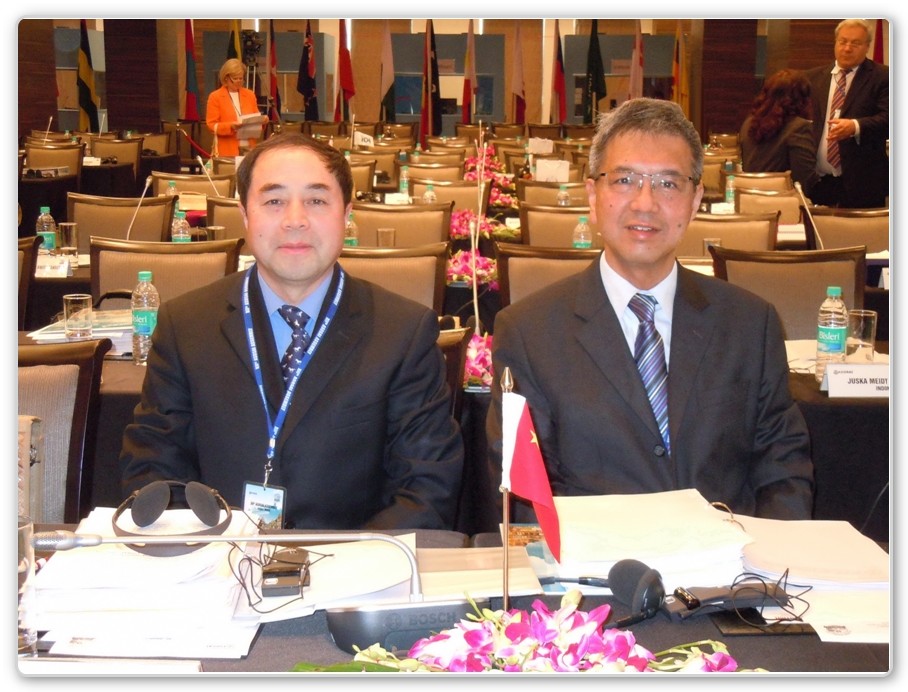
45 210
145 275
584 219
834 291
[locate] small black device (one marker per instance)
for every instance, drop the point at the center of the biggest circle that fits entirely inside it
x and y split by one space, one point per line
286 573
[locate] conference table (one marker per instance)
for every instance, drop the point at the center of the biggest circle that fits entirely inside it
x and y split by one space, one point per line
279 646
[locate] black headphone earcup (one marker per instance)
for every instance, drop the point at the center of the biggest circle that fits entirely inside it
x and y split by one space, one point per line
637 585
203 502
150 502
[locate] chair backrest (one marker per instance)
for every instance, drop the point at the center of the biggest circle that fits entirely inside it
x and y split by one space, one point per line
507 130
432 171
415 224
110 217
28 260
161 142
834 228
451 157
56 156
544 193
544 130
470 131
579 131
739 231
324 127
523 270
400 130
723 139
363 174
176 267
774 180
551 226
464 193
417 273
453 344
386 170
225 211
60 384
795 281
126 150
787 203
712 177
223 165
225 184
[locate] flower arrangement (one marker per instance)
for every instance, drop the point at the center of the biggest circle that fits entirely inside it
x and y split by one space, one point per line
500 198
461 224
478 365
460 269
542 640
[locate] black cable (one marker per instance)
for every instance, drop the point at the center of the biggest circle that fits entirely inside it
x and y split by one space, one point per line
873 507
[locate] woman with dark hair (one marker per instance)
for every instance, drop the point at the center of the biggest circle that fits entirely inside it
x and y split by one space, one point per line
777 134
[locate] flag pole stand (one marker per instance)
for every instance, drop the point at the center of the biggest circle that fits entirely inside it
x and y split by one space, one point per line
507 386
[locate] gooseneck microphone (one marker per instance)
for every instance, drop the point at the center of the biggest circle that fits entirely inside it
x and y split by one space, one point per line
205 170
138 206
809 219
638 586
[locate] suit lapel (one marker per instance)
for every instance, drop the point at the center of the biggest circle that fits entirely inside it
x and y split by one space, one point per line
600 334
859 85
692 328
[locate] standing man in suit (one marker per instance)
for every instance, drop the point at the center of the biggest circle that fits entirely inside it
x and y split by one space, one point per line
293 383
729 427
851 135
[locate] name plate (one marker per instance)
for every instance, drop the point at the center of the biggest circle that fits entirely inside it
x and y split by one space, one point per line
857 380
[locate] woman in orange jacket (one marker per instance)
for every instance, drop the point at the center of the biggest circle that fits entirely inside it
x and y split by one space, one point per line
226 105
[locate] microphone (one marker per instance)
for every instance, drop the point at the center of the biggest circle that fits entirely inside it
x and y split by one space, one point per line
393 624
816 232
47 132
639 586
205 170
138 206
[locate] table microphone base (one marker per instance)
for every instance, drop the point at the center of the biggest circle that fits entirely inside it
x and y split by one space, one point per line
394 625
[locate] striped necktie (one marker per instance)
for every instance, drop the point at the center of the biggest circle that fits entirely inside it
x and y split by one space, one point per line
649 354
299 340
838 100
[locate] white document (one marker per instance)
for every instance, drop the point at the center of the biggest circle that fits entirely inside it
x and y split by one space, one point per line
552 170
250 126
677 533
540 145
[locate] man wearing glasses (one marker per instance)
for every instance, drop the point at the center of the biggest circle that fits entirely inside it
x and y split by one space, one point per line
851 123
642 376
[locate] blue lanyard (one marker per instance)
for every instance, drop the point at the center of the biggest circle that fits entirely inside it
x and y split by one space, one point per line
274 427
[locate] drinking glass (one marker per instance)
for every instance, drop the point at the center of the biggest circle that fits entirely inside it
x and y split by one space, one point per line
861 338
77 316
386 237
69 239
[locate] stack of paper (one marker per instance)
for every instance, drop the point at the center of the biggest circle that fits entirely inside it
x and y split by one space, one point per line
115 325
677 533
112 600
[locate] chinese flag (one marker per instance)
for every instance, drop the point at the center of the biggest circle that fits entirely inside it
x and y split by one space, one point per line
523 469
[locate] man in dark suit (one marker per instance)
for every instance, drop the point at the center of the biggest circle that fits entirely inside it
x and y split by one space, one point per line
367 440
732 430
851 135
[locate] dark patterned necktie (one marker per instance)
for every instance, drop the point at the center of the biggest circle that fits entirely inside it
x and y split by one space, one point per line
299 340
649 354
838 100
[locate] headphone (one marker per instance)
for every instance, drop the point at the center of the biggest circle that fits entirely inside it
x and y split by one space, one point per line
639 586
148 504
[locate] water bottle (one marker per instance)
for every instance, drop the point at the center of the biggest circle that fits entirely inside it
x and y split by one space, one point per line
351 232
46 227
832 330
171 190
145 303
179 229
347 155
429 196
730 189
416 153
563 199
583 235
405 181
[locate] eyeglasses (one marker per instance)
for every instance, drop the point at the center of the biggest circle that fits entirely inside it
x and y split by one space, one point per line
667 186
852 44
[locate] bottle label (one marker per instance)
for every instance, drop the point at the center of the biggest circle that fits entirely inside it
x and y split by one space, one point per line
144 321
351 242
181 238
831 340
50 240
583 244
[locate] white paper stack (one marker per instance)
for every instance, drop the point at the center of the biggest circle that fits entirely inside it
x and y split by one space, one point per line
115 325
112 600
677 533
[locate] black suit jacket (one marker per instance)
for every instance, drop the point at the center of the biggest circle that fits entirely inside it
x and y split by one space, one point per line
865 165
368 441
737 436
